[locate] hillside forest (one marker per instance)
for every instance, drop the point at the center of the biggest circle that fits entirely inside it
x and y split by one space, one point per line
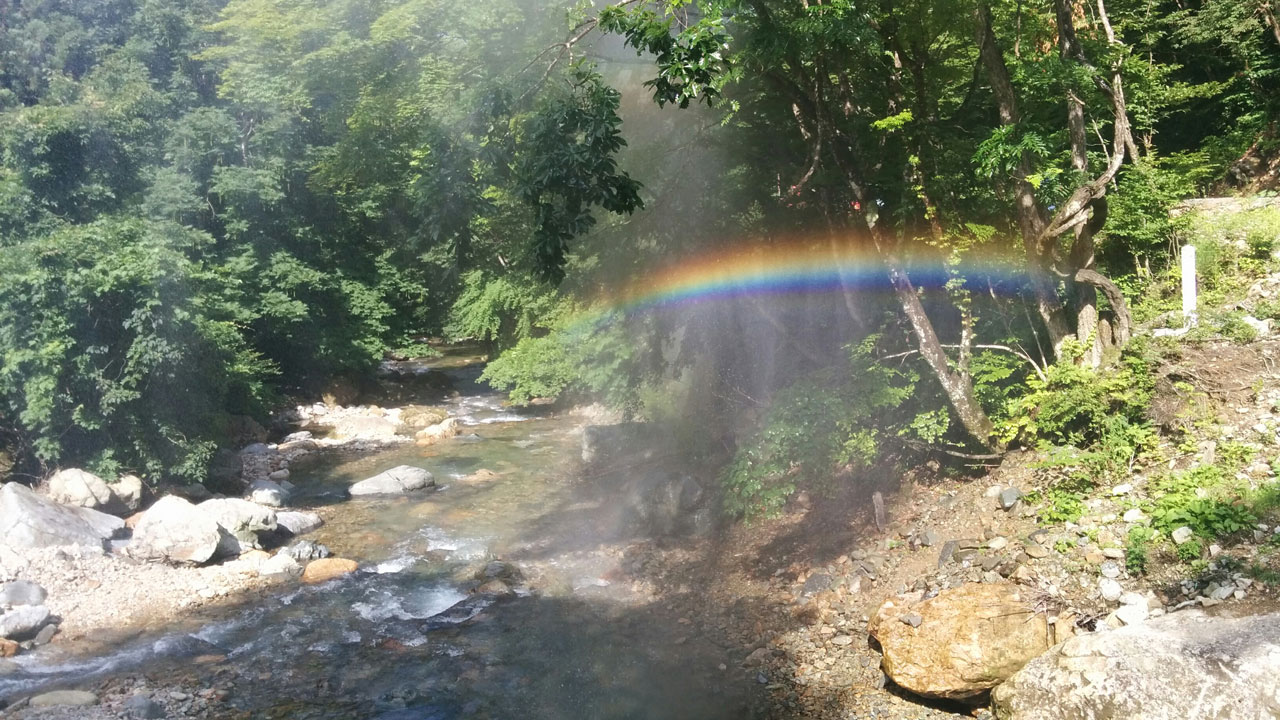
209 210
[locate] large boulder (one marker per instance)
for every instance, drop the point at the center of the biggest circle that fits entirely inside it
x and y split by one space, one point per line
396 481
1183 665
82 489
960 643
175 530
240 522
28 521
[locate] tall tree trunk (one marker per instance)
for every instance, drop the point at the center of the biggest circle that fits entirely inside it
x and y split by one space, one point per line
1031 222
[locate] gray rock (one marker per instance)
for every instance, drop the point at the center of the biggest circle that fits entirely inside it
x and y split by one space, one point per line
912 619
1183 665
175 530
45 635
929 538
396 481
1036 550
240 521
1134 515
74 698
23 621
1009 497
1109 570
268 492
1182 535
143 708
298 523
305 551
29 521
81 489
21 592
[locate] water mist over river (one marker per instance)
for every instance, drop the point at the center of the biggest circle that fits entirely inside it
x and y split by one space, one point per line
405 637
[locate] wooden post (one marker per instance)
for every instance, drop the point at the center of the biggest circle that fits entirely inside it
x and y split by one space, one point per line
1189 284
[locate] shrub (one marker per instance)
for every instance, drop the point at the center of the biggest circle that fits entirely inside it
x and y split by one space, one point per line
120 352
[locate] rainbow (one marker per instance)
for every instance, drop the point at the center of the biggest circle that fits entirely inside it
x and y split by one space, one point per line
795 268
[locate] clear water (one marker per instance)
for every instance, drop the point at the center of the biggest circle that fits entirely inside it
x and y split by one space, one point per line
404 638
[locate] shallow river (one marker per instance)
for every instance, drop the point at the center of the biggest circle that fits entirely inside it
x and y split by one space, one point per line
404 639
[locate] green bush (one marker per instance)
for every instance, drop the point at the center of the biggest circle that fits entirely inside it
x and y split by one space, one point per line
120 353
1077 405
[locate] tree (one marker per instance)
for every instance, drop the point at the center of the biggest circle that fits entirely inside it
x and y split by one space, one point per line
888 101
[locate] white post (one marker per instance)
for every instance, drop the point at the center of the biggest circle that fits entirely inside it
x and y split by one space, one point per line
1189 284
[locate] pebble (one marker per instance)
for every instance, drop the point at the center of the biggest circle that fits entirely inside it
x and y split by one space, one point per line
912 619
1181 535
1036 550
1109 570
1113 553
997 543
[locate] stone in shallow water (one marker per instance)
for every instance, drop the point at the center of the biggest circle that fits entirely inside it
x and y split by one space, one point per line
318 571
396 481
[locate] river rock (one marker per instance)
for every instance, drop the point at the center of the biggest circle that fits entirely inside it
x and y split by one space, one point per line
969 639
422 416
23 621
21 592
74 698
280 565
268 492
441 430
1183 665
297 522
81 489
396 481
305 550
240 521
318 571
128 491
364 427
28 521
175 530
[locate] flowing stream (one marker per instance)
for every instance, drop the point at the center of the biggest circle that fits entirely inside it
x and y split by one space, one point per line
404 637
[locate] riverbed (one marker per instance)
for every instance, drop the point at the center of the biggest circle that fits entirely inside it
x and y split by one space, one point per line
582 635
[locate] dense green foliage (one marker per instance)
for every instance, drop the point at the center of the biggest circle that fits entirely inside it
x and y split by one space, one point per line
205 204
